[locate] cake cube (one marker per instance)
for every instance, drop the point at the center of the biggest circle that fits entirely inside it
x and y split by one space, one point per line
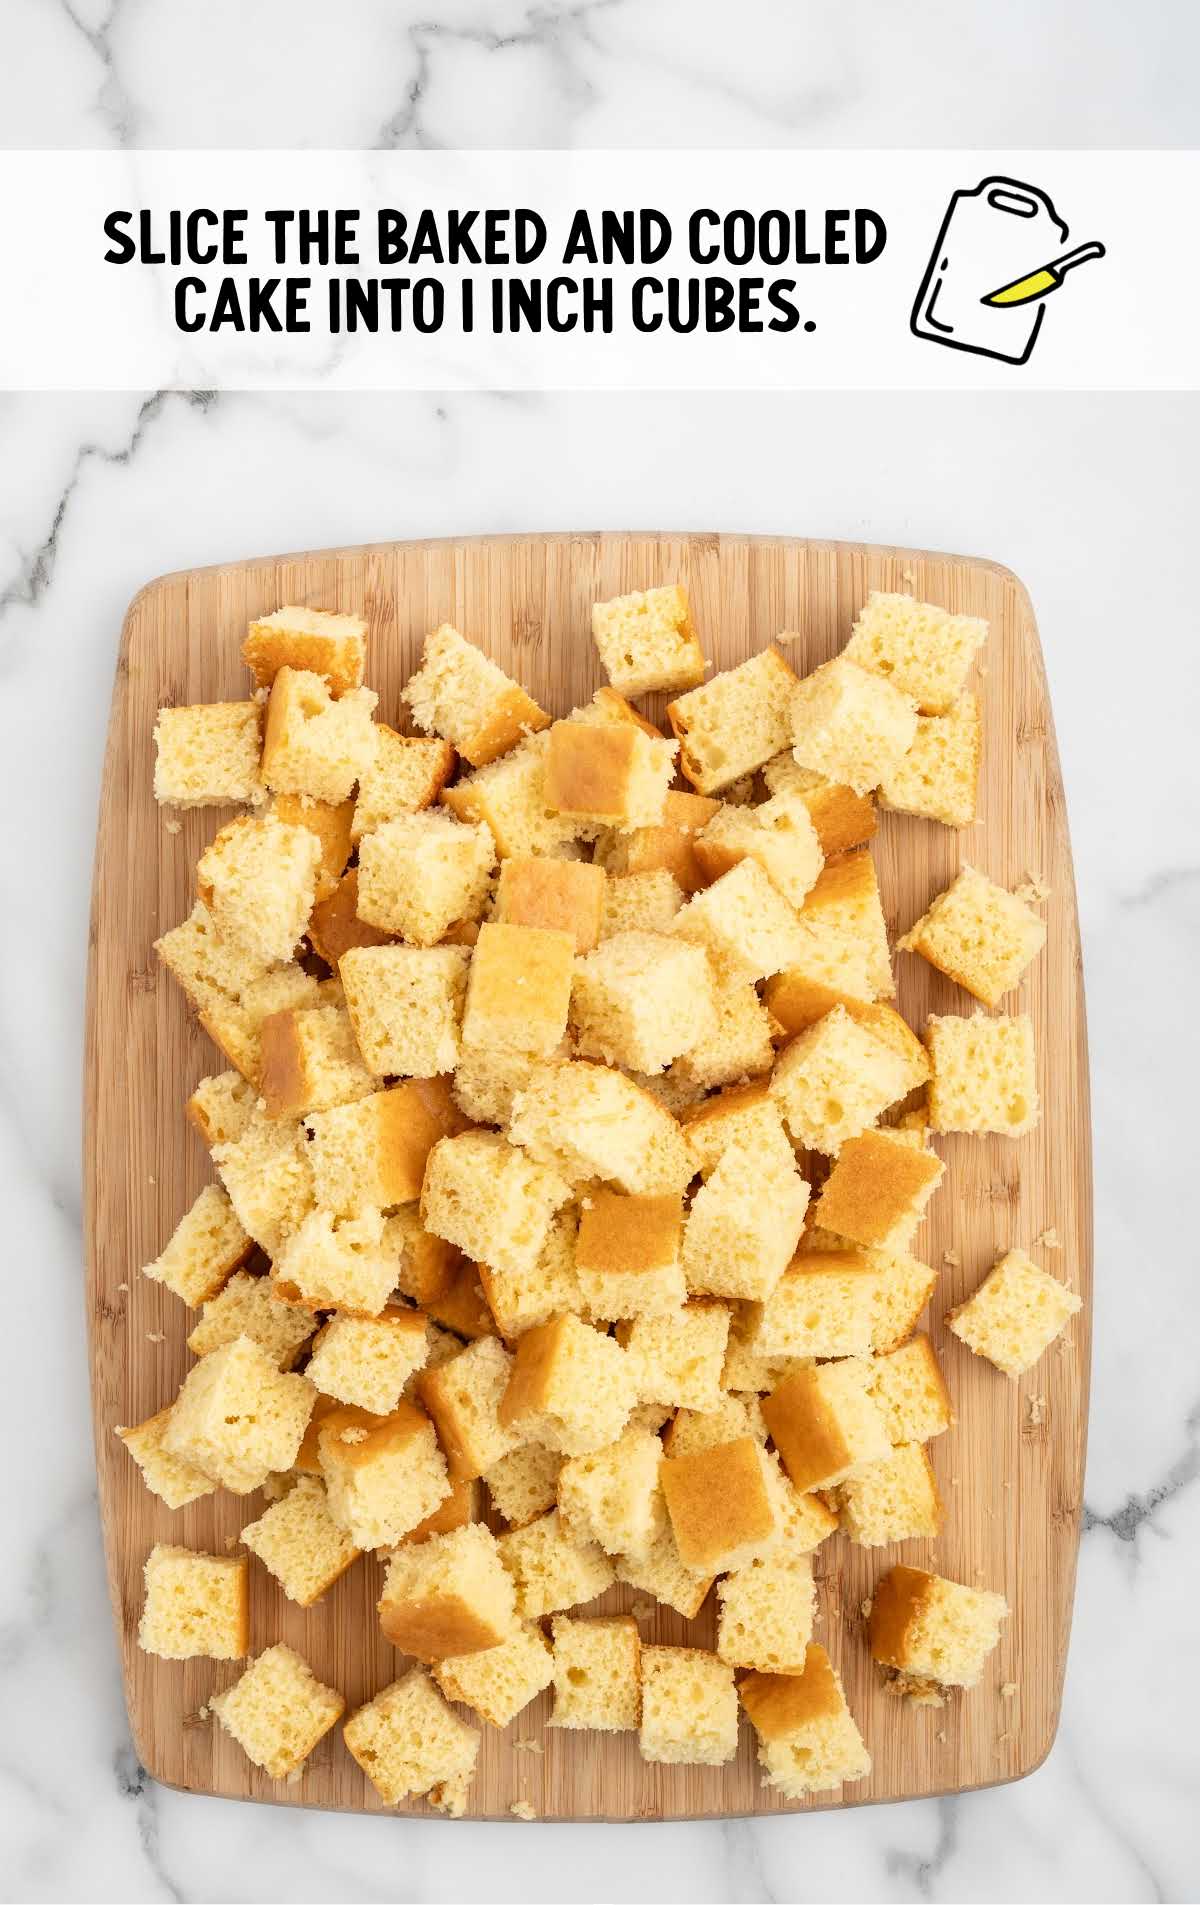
196 1606
627 1257
409 1741
739 1046
405 1003
501 1681
383 1474
523 1484
851 726
278 1711
333 646
267 1175
458 1510
331 828
1015 1314
807 1739
667 847
894 1499
562 896
523 1300
447 1596
407 774
877 1191
207 1245
647 640
984 1075
909 1391
335 1263
640 903
374 1152
367 1360
258 881
421 872
463 1396
842 819
299 1542
746 1369
313 744
490 1199
923 650
641 1000
721 1512
251 1306
311 1062
334 925
824 1424
805 1521
734 723
436 1277
930 1629
745 1222
844 916
213 971
689 1708
612 1496
518 989
486 1082
735 1416
765 1613
509 795
570 1387
597 1671
979 935
938 777
221 1107
745 1115
840 1075
207 756
778 834
607 708
586 1121
174 1482
677 1359
661 1573
608 776
551 1569
823 1305
239 1418
744 922
904 1287
460 694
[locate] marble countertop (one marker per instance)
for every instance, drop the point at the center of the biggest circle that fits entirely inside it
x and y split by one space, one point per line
1092 501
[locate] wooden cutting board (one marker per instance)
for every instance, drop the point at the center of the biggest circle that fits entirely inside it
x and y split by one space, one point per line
1011 1471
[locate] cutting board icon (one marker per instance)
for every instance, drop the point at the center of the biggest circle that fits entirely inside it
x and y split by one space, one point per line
991 236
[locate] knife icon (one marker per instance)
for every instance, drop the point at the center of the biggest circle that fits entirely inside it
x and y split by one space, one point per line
1039 283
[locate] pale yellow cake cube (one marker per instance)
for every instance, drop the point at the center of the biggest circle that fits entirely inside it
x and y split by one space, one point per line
842 818
984 1075
640 903
779 834
407 774
668 847
661 1573
251 1306
1015 1314
409 1741
843 915
734 723
979 935
734 1417
524 1299
851 726
374 1152
938 777
613 1496
317 640
587 1121
510 796
501 1681
383 1475
689 1708
597 1669
641 1000
745 1221
421 872
208 756
258 880
571 1387
175 1482
840 1076
405 1003
647 640
239 1418
741 1114
565 896
765 1613
221 1107
269 1180
677 1359
744 922
909 1391
738 1047
336 1263
196 1605
459 693
807 1739
278 1711
823 1305
894 1499
523 1484
922 649
463 1395
491 1199
367 1360
313 744
299 1542
551 1569
208 1244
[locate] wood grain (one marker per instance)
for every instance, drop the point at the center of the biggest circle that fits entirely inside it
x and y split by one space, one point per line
1010 1472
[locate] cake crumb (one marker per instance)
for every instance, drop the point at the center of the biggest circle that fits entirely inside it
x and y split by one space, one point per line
1049 1239
155 1336
173 826
941 1736
528 1746
906 575
1037 1411
123 1289
294 1777
1008 1690
952 1258
867 1605
1033 890
521 1809
643 1610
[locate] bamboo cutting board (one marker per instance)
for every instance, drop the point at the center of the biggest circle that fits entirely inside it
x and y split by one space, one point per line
1011 1471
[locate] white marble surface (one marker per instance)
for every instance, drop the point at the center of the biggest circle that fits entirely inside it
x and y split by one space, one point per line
1092 501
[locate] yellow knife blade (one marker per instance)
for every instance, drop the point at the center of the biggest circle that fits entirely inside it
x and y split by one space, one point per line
1038 283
